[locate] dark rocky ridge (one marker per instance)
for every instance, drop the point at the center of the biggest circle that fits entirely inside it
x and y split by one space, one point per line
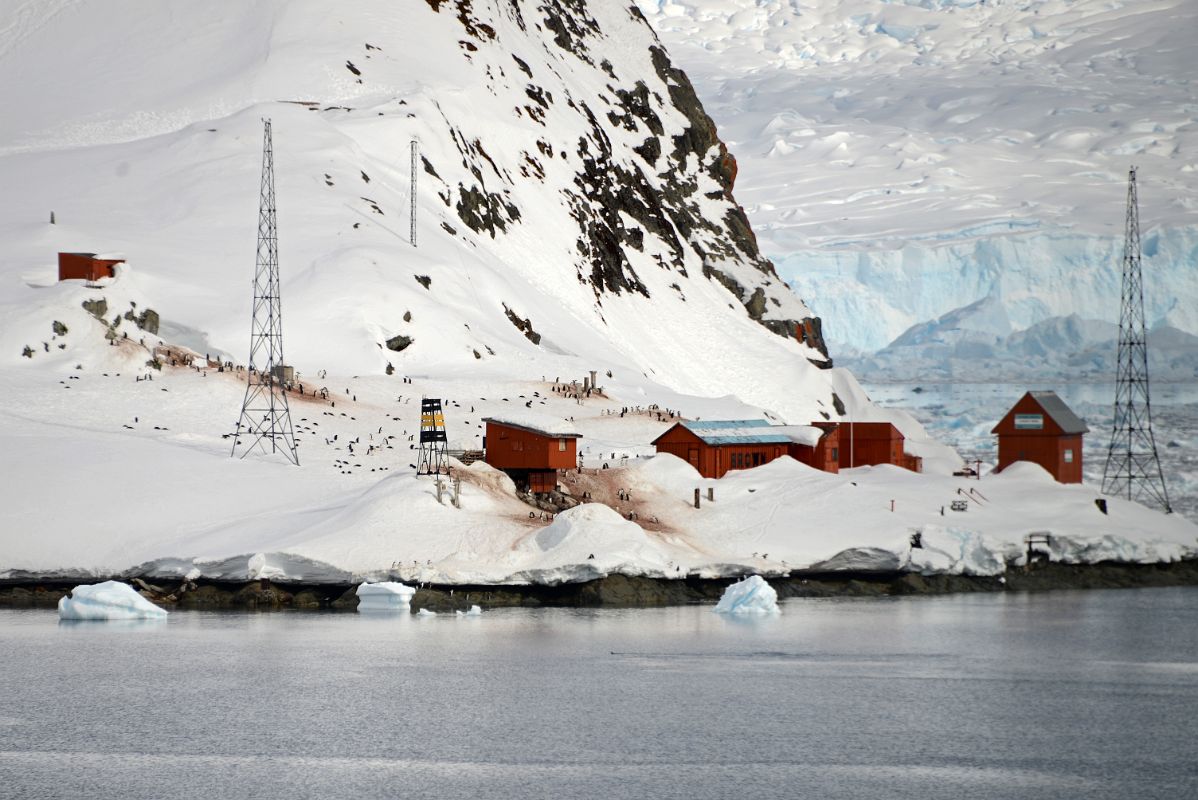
623 591
664 184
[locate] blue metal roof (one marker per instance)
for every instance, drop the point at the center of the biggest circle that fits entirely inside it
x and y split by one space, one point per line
714 424
738 431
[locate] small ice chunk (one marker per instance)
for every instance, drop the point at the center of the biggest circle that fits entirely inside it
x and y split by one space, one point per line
106 601
258 569
474 611
384 596
750 596
424 612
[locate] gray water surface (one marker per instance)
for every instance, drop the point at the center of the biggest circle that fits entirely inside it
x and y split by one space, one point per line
1057 695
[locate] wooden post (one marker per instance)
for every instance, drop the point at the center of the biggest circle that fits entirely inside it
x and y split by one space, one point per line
696 497
438 482
711 494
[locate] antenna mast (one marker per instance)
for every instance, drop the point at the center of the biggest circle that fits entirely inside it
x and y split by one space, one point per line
265 416
1133 468
412 190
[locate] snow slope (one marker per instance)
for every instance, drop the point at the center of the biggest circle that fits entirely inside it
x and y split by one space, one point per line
903 159
534 205
575 215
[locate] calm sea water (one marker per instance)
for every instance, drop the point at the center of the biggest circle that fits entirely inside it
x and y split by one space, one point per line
1057 695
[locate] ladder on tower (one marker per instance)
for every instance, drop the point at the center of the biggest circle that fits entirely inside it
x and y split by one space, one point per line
433 458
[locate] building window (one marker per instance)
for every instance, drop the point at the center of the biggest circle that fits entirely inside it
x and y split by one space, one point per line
561 445
1068 456
835 453
517 444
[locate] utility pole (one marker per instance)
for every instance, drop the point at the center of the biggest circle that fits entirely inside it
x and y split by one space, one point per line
412 190
1133 468
265 420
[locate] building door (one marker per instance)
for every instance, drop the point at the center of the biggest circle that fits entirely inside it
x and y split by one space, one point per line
692 455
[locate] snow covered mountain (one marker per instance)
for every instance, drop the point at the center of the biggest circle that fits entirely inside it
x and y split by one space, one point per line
904 159
575 206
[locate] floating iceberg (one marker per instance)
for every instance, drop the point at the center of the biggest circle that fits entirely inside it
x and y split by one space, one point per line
107 601
424 612
750 596
384 596
474 611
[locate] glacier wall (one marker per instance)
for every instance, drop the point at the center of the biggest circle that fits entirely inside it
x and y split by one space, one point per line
868 293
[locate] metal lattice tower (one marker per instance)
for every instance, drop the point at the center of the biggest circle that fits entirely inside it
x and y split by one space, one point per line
433 458
1133 469
265 420
412 190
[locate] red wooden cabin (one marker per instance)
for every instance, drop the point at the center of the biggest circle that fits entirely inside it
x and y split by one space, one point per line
531 456
1040 428
718 446
825 455
867 443
86 266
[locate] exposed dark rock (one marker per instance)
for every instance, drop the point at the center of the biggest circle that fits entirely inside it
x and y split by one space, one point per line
399 343
148 320
838 404
650 150
58 328
636 105
621 590
97 307
571 26
522 325
485 211
424 281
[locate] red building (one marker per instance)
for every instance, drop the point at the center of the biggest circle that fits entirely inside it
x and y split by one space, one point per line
718 446
867 443
86 266
531 456
1040 428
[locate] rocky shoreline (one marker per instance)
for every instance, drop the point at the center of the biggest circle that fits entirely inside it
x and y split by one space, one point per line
620 591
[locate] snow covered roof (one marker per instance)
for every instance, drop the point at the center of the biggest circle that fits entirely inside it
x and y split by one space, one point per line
752 431
1061 414
539 426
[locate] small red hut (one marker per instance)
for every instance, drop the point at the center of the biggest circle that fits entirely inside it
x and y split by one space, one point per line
530 454
86 266
1040 428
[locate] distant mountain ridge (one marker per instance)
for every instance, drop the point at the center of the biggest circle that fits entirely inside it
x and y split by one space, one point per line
904 159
